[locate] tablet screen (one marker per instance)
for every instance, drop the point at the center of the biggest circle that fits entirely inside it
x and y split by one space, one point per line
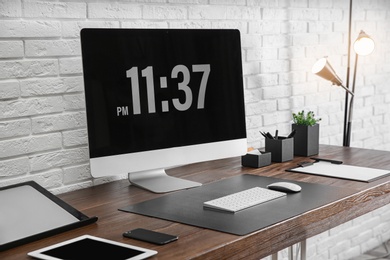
89 247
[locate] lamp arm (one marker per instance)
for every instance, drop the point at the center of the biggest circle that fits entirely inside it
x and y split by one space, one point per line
354 72
349 91
347 128
350 110
349 123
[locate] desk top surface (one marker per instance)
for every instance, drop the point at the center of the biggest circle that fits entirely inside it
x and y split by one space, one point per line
194 242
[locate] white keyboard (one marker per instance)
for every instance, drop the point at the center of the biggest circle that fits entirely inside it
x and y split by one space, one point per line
243 199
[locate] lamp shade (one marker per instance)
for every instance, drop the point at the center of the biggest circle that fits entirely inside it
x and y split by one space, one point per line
364 45
323 69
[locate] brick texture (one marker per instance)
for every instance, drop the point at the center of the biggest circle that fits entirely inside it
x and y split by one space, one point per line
43 133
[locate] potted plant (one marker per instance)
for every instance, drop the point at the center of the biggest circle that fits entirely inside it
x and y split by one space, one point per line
307 133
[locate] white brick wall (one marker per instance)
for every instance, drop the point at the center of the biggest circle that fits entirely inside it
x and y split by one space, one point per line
42 112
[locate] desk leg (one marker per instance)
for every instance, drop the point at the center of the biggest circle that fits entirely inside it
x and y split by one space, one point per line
291 252
303 250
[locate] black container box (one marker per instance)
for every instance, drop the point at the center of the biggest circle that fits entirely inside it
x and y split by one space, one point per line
256 159
282 148
306 139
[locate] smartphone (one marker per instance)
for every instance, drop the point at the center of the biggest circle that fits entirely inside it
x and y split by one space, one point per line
154 237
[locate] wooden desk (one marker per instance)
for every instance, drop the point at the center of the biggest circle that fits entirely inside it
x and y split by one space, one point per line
197 243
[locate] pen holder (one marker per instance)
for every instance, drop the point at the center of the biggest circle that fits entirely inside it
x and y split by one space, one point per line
256 159
282 149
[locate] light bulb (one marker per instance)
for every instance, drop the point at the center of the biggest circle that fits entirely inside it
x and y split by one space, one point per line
319 65
323 69
363 45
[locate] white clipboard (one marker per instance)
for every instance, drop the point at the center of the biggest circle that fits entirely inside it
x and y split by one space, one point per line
337 169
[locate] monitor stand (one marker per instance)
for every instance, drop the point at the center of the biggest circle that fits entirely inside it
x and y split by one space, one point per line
158 181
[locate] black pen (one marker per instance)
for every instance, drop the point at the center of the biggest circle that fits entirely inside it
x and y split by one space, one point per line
276 134
292 133
269 135
263 134
305 164
326 160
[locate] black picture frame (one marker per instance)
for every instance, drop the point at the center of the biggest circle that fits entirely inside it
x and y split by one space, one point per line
82 219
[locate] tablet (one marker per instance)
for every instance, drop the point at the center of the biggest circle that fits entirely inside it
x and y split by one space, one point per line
90 247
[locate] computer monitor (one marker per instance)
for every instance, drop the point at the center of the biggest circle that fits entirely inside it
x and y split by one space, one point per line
158 98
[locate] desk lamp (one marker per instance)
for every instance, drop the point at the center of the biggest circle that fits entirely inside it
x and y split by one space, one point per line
363 45
323 69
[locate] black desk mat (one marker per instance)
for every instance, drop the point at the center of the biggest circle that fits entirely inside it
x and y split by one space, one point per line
187 206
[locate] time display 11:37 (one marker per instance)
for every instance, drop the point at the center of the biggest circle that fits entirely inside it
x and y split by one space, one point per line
147 73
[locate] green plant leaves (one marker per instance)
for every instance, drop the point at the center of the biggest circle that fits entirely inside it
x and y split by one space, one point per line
301 119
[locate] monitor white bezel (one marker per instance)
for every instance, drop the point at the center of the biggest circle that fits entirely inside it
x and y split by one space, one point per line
165 158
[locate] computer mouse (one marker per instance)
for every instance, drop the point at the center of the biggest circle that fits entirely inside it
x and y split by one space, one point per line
284 187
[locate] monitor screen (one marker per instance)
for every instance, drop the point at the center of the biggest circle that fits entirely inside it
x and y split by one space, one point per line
156 98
